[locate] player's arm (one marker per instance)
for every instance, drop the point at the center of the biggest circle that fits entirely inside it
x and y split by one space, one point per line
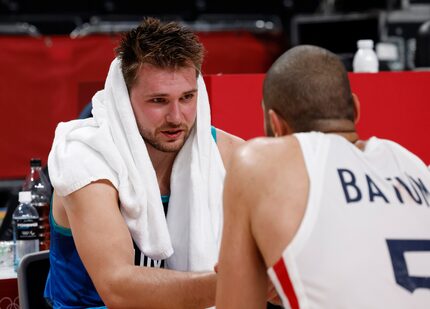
105 247
242 279
265 197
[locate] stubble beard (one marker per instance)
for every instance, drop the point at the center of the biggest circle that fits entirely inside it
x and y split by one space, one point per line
171 147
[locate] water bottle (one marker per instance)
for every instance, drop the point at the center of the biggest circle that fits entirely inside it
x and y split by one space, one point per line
40 188
365 59
25 225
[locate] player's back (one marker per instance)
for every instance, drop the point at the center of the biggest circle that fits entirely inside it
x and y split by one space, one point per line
364 241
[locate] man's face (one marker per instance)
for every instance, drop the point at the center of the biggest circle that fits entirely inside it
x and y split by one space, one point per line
164 102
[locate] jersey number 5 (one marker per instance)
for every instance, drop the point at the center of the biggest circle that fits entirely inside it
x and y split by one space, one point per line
397 249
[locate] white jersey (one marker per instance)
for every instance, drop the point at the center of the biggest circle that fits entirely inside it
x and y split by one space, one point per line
364 241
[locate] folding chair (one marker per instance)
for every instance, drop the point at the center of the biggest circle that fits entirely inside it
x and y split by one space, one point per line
32 273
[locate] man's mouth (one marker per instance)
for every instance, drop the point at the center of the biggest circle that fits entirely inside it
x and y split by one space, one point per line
173 133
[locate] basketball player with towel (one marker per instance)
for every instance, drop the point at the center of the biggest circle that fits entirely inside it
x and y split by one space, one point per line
334 221
137 208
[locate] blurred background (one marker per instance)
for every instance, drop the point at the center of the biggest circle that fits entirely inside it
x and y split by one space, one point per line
54 55
334 24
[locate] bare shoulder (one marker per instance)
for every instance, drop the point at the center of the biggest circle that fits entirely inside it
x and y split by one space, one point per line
260 162
266 152
227 143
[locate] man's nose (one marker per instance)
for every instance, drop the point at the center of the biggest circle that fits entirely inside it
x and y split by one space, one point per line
174 114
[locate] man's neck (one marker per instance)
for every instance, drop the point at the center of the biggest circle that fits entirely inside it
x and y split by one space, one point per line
162 163
353 138
342 127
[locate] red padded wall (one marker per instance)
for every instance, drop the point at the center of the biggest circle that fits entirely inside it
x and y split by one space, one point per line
41 82
393 105
236 103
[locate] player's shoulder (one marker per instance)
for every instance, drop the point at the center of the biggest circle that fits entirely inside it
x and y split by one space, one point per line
265 153
267 147
228 138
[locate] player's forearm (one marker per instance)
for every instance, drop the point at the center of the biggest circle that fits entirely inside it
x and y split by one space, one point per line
139 287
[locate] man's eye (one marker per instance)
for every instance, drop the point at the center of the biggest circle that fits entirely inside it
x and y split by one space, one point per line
158 100
188 97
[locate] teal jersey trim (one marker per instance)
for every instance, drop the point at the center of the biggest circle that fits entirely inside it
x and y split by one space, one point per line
213 131
165 198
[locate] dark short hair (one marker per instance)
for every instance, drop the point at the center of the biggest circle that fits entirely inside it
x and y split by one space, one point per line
164 45
308 84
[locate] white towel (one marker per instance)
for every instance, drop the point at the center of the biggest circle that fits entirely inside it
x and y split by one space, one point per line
109 146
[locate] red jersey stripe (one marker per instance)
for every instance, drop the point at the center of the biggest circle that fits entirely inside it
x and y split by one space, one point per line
284 279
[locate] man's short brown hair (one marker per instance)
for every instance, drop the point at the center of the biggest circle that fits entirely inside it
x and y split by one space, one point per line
164 45
307 85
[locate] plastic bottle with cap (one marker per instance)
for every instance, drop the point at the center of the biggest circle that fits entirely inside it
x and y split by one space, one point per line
365 59
25 227
40 188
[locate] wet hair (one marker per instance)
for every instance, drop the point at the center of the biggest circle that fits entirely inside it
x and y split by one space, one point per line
307 85
164 45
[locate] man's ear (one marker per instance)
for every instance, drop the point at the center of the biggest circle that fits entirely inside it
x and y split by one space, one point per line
278 125
356 108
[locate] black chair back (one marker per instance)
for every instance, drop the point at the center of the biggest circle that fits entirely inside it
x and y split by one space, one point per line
32 273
